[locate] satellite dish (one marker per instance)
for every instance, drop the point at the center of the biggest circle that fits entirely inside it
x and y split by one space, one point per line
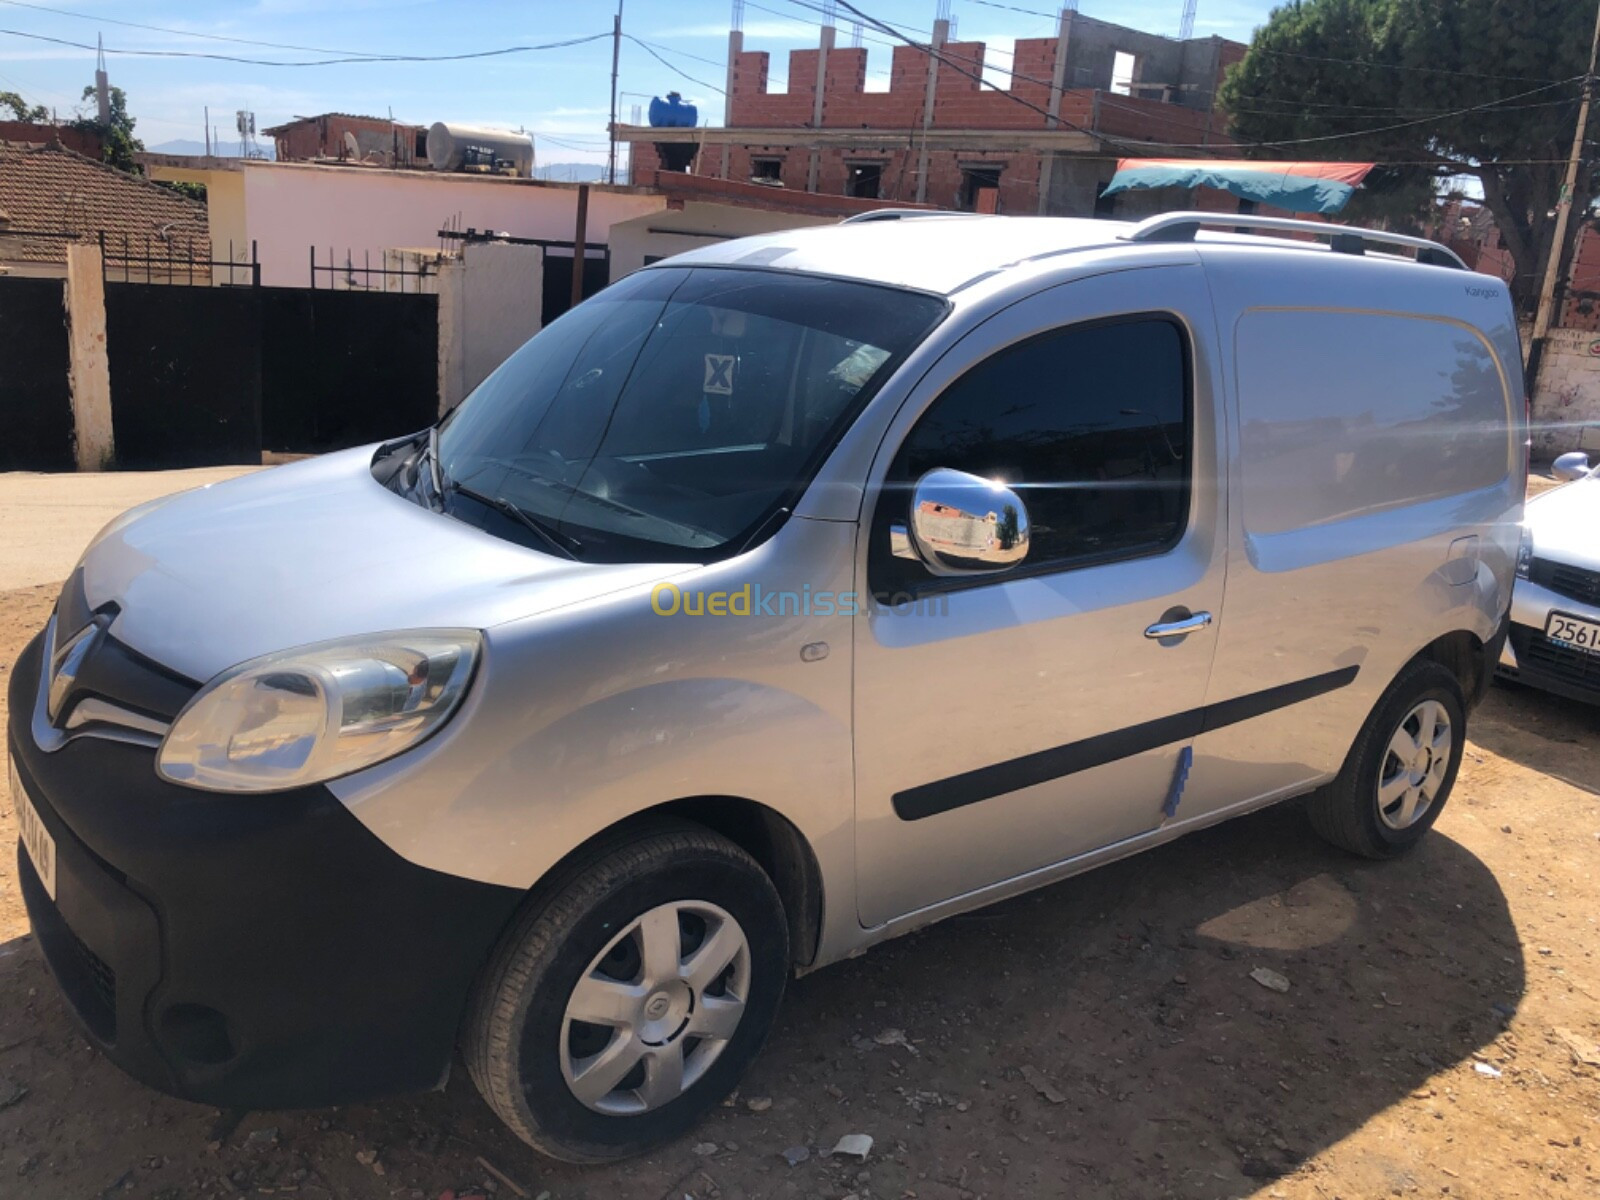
351 146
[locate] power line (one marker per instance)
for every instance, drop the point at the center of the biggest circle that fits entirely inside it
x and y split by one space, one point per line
649 49
323 62
1356 133
189 33
1032 12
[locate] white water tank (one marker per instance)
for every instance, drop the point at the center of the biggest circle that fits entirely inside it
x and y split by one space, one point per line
453 147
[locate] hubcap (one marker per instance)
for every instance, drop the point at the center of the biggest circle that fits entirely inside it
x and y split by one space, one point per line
1414 766
655 1008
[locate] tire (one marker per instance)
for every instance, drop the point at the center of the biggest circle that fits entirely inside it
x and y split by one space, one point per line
1374 808
548 1074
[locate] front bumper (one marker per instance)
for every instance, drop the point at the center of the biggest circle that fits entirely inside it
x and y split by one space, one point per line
1530 657
244 951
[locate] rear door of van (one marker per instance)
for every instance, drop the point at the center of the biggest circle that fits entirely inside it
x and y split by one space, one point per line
1375 480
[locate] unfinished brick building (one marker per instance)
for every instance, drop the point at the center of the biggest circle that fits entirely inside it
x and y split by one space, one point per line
1048 144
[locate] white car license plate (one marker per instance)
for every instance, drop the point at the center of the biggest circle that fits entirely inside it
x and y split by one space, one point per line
36 839
1577 632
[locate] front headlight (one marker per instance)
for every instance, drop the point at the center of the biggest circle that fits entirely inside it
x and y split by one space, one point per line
1525 553
307 715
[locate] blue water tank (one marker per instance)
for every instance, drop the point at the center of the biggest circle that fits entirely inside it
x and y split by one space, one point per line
673 113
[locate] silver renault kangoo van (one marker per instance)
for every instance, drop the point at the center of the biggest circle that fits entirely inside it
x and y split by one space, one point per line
784 597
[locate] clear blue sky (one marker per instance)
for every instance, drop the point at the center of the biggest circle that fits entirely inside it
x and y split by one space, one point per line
560 95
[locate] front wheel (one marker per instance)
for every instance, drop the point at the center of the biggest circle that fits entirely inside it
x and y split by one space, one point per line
625 1003
1400 771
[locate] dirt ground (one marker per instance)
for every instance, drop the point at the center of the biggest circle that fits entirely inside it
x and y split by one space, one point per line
1103 1037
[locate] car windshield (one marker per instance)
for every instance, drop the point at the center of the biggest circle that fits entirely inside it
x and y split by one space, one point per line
680 412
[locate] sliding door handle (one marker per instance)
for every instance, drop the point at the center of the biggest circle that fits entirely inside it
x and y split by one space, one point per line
1179 628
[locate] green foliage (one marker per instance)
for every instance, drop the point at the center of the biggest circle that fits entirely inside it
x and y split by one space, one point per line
21 110
118 145
1397 75
194 191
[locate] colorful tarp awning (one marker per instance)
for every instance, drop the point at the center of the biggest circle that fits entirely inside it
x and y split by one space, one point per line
1316 187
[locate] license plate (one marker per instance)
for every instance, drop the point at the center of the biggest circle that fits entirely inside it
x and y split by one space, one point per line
36 839
1577 632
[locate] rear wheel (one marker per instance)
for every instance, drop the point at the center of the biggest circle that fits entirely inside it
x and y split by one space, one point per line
1401 769
627 1001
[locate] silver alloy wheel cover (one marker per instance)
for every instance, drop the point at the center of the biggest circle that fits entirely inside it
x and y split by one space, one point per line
655 1015
1414 766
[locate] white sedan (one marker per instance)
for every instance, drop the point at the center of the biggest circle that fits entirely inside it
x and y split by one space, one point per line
1554 641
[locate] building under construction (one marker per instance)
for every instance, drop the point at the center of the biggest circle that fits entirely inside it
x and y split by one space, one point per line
1048 143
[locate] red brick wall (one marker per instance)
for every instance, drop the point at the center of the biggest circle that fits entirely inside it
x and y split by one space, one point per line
323 137
85 143
960 102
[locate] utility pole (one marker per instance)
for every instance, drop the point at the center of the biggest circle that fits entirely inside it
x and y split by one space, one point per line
616 53
1552 270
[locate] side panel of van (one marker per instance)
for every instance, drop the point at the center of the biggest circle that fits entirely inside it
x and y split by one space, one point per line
1378 472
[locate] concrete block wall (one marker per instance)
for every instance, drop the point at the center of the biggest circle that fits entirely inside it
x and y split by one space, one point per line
1566 402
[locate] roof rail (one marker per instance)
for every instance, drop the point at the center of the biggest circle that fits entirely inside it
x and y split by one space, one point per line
898 214
1343 239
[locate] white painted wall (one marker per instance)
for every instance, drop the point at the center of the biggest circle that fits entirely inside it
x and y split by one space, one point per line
489 304
289 207
673 231
1566 403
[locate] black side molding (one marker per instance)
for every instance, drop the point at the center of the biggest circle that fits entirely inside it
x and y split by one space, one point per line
985 783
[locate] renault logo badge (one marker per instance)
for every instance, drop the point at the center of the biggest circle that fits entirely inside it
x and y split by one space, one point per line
68 661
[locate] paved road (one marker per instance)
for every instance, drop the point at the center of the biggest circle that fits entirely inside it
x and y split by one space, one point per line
48 519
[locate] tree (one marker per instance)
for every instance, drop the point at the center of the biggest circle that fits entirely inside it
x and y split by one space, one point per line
118 145
21 110
1433 89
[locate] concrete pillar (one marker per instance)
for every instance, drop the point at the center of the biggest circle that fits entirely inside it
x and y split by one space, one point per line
735 48
941 35
89 372
816 106
489 304
1058 78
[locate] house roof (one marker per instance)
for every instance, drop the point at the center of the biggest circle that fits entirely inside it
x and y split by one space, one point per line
341 116
52 190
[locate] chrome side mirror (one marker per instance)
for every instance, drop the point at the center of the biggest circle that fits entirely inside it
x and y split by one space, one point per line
963 525
1570 466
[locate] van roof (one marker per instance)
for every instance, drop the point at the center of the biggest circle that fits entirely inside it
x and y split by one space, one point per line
944 252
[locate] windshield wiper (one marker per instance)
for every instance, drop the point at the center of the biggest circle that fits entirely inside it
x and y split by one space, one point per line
563 544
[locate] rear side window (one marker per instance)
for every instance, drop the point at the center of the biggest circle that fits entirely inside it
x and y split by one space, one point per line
1091 424
1343 414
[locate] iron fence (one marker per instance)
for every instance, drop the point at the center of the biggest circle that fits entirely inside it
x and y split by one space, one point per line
165 260
362 276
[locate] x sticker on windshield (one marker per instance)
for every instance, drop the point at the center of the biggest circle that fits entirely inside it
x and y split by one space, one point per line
719 374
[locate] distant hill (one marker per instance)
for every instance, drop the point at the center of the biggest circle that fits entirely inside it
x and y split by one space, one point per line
223 149
576 172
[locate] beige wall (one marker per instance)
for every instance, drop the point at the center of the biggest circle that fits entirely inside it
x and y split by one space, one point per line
489 304
89 372
673 231
1566 403
225 223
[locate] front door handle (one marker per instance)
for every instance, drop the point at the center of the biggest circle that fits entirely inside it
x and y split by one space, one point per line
1178 629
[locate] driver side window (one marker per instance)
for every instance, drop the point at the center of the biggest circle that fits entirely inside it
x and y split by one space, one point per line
1091 425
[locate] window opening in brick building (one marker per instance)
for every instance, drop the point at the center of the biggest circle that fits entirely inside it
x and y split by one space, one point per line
864 180
980 189
1124 69
766 170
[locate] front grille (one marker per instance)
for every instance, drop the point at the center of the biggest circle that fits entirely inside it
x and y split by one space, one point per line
1535 652
1574 582
88 980
101 979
